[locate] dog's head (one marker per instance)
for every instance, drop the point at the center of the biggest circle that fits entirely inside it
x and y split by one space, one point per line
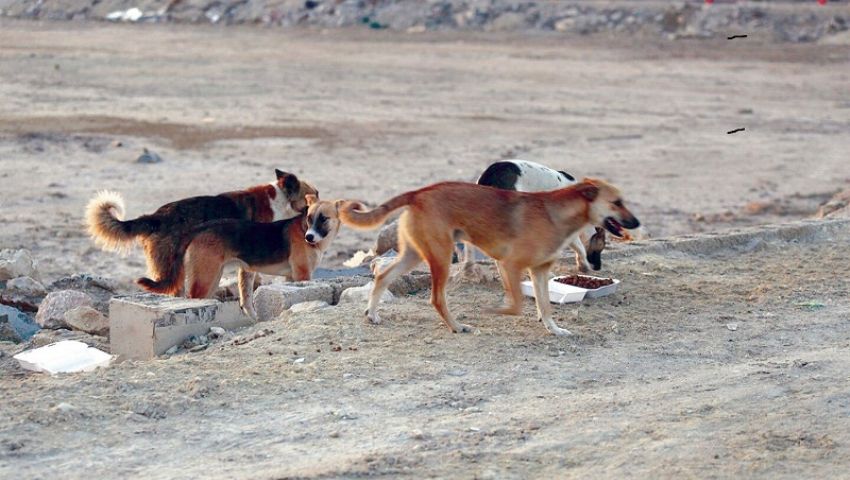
606 207
290 196
322 220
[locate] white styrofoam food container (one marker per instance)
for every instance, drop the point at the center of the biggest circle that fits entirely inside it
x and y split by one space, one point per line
558 292
562 293
63 357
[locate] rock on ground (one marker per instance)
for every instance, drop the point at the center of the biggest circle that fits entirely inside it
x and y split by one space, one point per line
15 325
87 319
100 289
16 263
305 307
361 295
51 312
387 238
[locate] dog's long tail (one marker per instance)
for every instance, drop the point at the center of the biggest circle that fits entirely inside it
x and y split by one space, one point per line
106 224
353 214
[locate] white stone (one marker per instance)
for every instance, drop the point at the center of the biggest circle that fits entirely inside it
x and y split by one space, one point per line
311 306
26 286
272 300
16 263
360 295
51 312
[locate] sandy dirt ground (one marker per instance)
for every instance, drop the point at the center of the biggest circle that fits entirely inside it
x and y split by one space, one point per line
368 115
725 365
728 364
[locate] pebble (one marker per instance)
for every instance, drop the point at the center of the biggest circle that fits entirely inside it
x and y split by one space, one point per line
732 326
217 332
148 156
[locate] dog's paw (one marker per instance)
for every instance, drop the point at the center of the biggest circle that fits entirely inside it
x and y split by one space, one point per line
373 317
251 313
558 331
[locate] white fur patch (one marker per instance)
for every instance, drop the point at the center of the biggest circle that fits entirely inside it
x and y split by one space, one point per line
280 205
534 177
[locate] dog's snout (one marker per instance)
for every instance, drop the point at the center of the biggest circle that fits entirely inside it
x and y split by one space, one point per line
631 223
309 237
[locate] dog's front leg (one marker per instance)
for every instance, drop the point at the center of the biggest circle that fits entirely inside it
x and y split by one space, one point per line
246 292
540 279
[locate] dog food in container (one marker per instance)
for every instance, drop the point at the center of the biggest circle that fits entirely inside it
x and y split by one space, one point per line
574 288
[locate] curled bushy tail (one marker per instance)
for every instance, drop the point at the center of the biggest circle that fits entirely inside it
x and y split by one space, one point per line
106 224
354 215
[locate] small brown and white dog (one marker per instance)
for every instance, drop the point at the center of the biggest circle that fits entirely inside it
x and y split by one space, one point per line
163 231
292 248
521 231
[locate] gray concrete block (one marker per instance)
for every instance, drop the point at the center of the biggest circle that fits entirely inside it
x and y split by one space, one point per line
145 325
271 300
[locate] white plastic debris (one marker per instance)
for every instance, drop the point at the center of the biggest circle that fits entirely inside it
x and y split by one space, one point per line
129 15
63 357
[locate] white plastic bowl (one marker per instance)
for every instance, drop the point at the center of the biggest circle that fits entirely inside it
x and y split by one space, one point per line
562 293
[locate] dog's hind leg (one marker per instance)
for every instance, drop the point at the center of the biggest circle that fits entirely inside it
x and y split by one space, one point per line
407 259
511 278
246 292
440 263
540 279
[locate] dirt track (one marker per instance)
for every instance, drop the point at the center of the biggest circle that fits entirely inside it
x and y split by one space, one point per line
705 365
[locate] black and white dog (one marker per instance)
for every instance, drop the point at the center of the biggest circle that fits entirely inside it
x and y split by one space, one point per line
525 176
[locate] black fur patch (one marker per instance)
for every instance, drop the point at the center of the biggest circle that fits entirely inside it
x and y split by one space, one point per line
502 175
255 243
567 176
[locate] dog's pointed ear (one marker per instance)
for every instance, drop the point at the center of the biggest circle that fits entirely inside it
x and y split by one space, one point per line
290 182
588 190
310 199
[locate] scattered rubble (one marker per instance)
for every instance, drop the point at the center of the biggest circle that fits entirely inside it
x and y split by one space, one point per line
87 319
805 23
360 295
305 307
16 263
51 312
23 293
15 325
99 289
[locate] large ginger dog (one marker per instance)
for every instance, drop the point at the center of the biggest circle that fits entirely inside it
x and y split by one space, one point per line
521 231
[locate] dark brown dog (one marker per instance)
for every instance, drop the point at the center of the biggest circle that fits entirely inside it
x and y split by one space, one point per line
162 231
292 248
